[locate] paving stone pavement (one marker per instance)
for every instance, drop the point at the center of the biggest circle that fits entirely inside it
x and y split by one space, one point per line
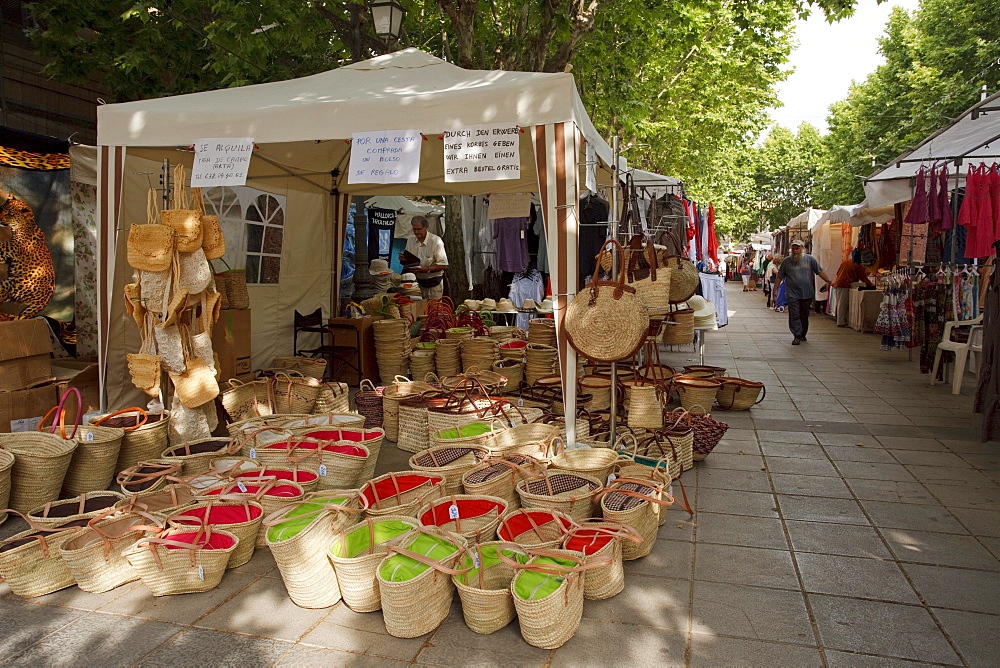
849 519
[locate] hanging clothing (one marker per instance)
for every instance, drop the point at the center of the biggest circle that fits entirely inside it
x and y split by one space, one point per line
593 210
511 243
713 240
538 227
528 285
947 222
381 228
919 213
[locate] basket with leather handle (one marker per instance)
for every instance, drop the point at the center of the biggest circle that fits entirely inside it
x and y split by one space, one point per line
652 287
738 394
684 279
606 321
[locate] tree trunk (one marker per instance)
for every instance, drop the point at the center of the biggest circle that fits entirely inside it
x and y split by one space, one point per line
454 246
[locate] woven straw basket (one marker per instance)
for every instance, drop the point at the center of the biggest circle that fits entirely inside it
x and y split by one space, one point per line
696 391
93 463
306 479
548 622
534 528
570 493
161 502
737 394
145 434
498 476
601 541
314 367
6 464
487 604
94 555
451 462
678 327
40 465
401 492
30 563
91 504
356 553
241 518
181 570
247 400
594 462
474 517
194 457
147 476
638 504
271 494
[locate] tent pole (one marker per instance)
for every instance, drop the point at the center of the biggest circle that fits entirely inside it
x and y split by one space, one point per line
291 173
613 233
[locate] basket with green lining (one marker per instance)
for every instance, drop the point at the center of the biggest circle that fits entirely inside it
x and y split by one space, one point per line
474 433
299 535
487 604
414 580
356 553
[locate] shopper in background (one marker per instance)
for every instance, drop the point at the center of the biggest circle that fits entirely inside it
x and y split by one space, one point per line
796 273
745 273
429 250
849 272
770 275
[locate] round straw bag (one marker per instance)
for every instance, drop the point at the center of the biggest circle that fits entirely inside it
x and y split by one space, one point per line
145 434
548 595
534 528
85 506
678 327
369 403
601 541
606 321
40 465
487 605
6 464
471 516
513 350
595 462
696 391
570 493
356 553
180 560
93 556
451 462
247 400
498 476
241 517
414 581
401 492
29 560
737 394
147 476
599 388
195 457
638 504
93 463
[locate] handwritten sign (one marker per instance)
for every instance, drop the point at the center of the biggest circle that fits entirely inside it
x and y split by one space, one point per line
385 156
221 162
482 153
509 205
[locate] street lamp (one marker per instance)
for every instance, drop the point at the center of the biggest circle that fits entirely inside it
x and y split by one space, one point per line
387 15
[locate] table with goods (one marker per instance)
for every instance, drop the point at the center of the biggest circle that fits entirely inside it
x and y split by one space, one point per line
496 503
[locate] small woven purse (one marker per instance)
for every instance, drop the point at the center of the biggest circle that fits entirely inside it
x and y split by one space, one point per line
150 247
185 221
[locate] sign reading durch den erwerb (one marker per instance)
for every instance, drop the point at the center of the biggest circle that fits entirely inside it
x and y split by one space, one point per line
221 162
482 153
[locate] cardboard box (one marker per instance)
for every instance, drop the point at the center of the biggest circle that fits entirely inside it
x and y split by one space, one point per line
231 341
83 376
22 410
25 350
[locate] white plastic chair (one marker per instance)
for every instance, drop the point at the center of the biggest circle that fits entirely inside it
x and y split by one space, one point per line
962 350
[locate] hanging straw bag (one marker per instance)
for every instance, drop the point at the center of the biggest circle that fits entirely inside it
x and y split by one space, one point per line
151 246
196 385
240 517
144 366
40 465
606 321
684 278
181 560
652 287
472 516
451 462
185 221
737 394
356 553
29 560
534 528
414 581
645 406
300 535
401 492
601 541
487 604
213 242
93 555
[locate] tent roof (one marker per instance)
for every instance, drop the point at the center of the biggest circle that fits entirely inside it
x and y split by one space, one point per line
400 203
653 182
967 138
855 214
806 219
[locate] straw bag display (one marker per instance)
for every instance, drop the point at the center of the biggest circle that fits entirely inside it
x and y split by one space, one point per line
606 321
151 246
93 555
450 461
194 457
181 560
414 581
737 394
601 541
29 560
684 279
40 465
639 504
162 501
134 305
472 516
534 528
696 392
652 287
548 595
306 479
213 242
707 433
595 462
570 493
487 604
356 553
185 221
270 493
240 517
196 385
401 492
85 506
299 536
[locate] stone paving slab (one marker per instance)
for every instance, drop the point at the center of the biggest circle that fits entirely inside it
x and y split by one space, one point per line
850 519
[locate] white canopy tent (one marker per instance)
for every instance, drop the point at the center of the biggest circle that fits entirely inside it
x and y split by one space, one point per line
655 184
967 139
302 130
854 214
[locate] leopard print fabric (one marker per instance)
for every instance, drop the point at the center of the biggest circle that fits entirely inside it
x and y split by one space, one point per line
31 276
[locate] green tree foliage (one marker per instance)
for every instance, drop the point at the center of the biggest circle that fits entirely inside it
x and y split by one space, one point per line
937 61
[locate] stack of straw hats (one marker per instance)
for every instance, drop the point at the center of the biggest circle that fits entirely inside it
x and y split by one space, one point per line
448 357
479 353
504 333
392 347
542 330
541 361
704 311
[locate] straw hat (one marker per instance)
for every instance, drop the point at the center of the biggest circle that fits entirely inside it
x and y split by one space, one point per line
545 306
489 304
378 266
529 304
506 306
702 307
472 304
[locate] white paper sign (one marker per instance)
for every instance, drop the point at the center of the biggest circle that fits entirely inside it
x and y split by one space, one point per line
25 424
386 156
221 162
482 153
509 205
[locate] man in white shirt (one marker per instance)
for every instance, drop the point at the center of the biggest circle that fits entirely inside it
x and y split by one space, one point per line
429 249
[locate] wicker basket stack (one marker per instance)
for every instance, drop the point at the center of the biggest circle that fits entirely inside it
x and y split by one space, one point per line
392 347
